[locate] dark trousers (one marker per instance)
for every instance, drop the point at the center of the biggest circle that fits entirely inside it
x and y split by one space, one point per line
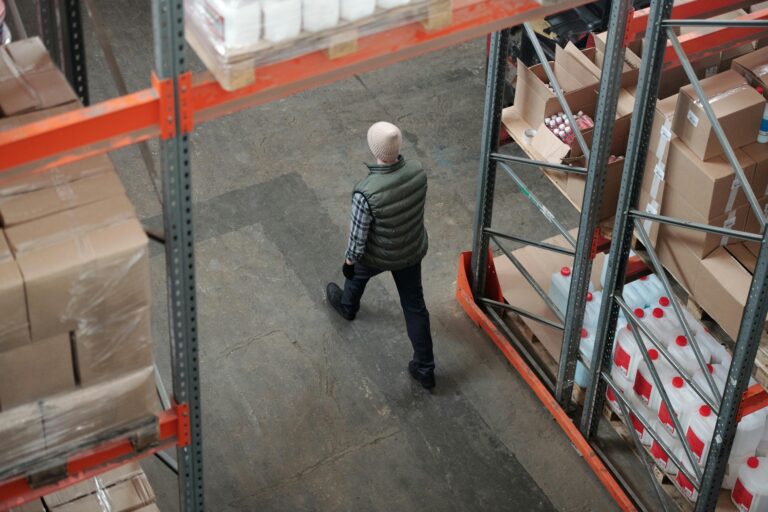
408 281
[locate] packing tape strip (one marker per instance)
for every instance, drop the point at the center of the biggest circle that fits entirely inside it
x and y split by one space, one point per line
728 224
664 138
735 187
724 94
761 71
18 75
652 208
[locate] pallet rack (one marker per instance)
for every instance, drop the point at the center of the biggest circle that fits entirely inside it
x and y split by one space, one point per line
168 110
479 290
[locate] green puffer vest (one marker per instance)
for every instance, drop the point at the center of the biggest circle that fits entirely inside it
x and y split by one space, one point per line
396 195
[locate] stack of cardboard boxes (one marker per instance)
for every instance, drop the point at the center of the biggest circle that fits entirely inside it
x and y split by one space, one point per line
125 489
75 345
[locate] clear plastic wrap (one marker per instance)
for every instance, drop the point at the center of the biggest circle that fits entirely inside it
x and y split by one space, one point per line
233 36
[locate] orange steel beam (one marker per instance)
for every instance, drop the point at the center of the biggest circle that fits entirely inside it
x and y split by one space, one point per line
466 299
684 9
129 119
172 427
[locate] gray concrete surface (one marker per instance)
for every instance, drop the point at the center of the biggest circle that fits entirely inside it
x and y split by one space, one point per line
304 411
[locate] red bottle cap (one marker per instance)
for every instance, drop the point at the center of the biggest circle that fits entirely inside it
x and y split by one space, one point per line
705 411
565 271
678 382
644 278
753 462
653 354
589 296
639 313
658 312
664 301
760 89
681 341
584 333
710 368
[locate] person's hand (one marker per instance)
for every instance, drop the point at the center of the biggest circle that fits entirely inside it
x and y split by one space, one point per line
348 269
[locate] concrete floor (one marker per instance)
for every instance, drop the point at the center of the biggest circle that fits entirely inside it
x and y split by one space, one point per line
302 410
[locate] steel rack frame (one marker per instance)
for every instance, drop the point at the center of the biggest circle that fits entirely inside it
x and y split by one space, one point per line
479 292
168 110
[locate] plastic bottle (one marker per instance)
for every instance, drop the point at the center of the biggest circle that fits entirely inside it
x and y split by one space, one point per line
732 468
684 485
592 312
653 287
560 287
762 134
660 456
626 355
282 19
749 433
624 385
750 492
682 352
682 400
762 447
645 387
319 15
234 23
356 9
586 347
701 426
665 304
645 436
633 295
663 327
717 375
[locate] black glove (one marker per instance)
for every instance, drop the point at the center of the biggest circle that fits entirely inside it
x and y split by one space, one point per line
348 270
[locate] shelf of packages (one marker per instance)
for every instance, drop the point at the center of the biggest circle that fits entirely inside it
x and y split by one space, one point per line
172 430
136 117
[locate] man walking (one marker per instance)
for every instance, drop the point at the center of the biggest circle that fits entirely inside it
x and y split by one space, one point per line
387 233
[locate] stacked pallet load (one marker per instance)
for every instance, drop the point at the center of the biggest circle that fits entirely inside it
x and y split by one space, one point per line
76 361
125 489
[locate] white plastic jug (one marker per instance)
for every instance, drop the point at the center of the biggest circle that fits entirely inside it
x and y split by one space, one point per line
560 287
233 23
662 326
282 19
732 468
592 312
318 15
682 352
633 295
660 456
356 9
749 433
645 387
645 436
389 4
684 485
586 347
701 426
750 492
626 356
762 447
717 375
665 304
652 287
682 400
624 385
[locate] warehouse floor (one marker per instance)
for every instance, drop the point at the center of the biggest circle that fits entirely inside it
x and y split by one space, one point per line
302 410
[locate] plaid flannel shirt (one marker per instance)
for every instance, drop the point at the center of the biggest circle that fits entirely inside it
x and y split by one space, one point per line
359 226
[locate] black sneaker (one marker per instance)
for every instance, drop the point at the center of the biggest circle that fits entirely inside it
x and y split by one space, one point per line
427 380
333 294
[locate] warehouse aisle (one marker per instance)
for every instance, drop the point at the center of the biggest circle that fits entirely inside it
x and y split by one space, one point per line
304 411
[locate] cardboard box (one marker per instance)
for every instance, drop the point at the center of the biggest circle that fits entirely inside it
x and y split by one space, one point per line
36 370
722 289
547 144
81 415
753 67
118 344
753 225
743 256
82 265
93 485
728 55
630 57
29 80
32 506
678 259
759 154
21 434
14 325
59 197
708 186
737 106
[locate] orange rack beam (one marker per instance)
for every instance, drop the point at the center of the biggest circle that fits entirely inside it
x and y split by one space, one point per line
173 428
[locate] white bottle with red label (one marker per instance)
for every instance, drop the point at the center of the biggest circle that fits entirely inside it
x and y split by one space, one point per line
701 426
586 347
626 354
623 384
749 433
750 492
682 400
684 485
665 304
662 326
592 311
645 387
642 433
716 371
682 352
560 287
660 456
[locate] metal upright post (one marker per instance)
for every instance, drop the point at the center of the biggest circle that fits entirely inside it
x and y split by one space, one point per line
48 28
747 342
639 133
597 169
73 49
170 64
494 98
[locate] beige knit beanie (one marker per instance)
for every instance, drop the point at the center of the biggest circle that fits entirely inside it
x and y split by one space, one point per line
385 139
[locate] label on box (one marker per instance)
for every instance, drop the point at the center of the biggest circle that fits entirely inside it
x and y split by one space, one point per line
693 119
666 131
658 170
214 21
710 71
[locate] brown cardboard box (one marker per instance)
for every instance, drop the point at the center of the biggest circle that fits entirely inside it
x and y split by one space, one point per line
753 225
743 256
737 106
29 80
32 506
759 153
706 185
674 77
722 289
728 55
630 57
76 416
571 74
753 67
118 344
36 370
547 144
59 197
81 265
14 325
678 259
21 434
93 485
